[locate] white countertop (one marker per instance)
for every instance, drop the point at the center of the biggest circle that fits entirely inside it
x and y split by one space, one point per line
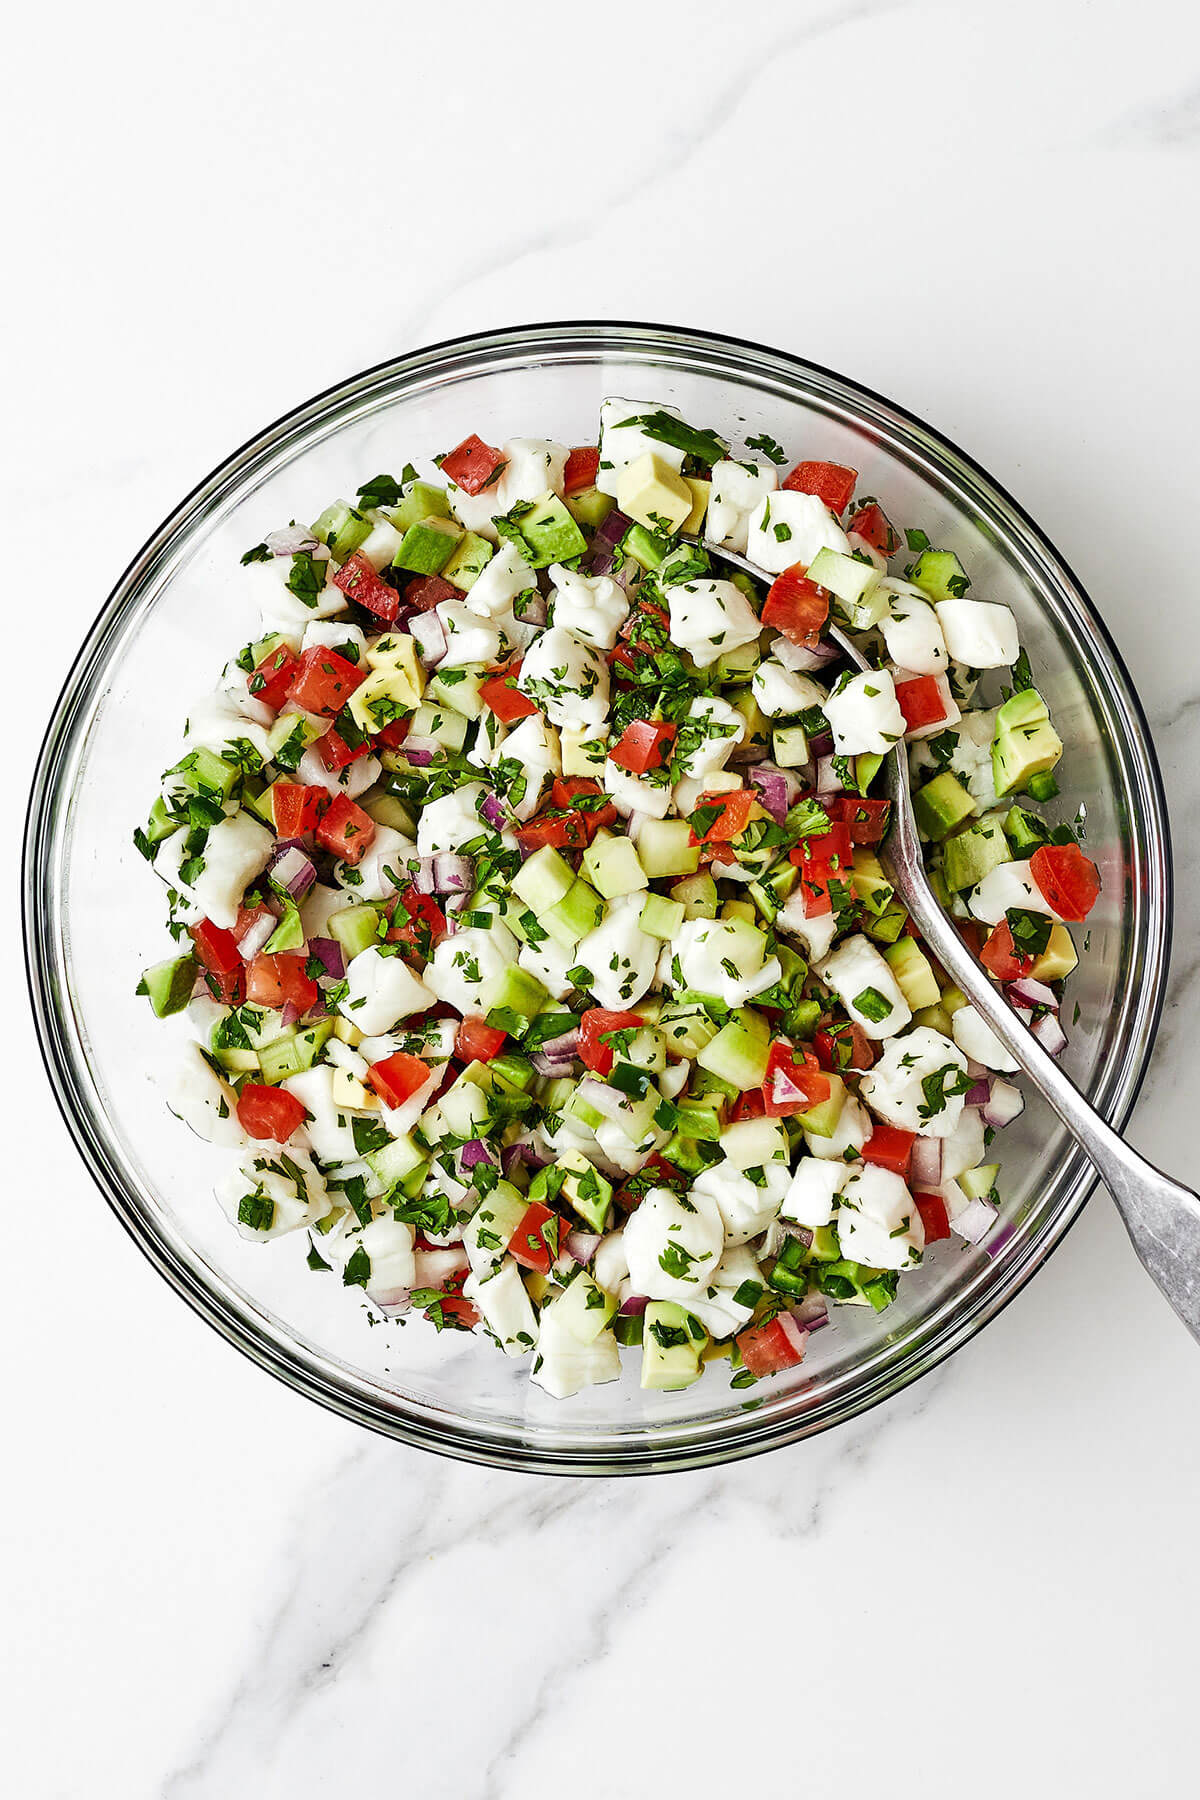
211 1588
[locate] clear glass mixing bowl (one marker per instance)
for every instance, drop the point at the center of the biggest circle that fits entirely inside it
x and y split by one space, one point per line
94 911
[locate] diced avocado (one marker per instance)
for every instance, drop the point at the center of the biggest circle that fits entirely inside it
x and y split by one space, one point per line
294 1051
573 1179
934 1016
660 917
342 528
1057 959
288 934
468 559
701 492
739 1052
687 1029
1042 786
512 1071
427 546
459 688
914 976
978 1183
789 746
942 804
665 849
698 1121
1025 831
578 912
542 881
698 894
589 506
203 772
168 985
653 494
771 890
356 928
544 531
348 1091
821 1120
647 1049
421 500
645 547
940 574
672 1343
582 1308
855 583
887 926
582 752
1025 742
516 990
973 853
870 883
613 866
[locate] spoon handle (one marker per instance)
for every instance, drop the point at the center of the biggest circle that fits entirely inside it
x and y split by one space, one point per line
1161 1216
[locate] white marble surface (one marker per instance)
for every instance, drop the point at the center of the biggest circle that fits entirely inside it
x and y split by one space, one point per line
212 1589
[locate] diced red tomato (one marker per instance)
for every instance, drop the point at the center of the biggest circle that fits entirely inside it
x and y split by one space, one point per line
398 1077
866 819
297 809
229 986
269 1112
832 847
888 1147
463 1312
622 659
1068 880
733 811
477 1041
501 693
428 591
766 1349
567 789
421 921
971 933
1000 957
538 1238
272 677
595 1024
324 681
336 753
640 745
921 702
831 482
360 582
393 734
934 1216
345 830
793 1081
583 466
796 606
872 524
280 980
822 860
749 1105
215 948
472 465
561 831
843 1047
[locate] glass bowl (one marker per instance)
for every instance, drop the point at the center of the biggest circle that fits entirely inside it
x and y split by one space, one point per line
94 912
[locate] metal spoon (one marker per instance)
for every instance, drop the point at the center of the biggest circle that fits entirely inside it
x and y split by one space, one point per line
1161 1216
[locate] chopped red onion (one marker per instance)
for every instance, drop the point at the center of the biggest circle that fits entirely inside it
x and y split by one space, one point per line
749 751
526 1151
612 528
1050 1034
828 779
534 612
491 809
1030 993
811 1313
475 1151
256 935
777 788
420 754
429 635
452 873
291 540
821 744
330 953
289 1014
974 1221
976 1070
291 871
801 658
795 1333
634 1306
1005 1103
606 1100
925 1163
583 1245
979 1094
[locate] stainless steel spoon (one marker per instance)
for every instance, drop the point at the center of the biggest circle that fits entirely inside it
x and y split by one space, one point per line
1161 1216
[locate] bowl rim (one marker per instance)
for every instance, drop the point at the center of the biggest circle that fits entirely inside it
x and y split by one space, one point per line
646 1453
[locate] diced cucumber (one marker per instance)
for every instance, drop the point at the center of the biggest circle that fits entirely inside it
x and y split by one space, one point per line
421 500
342 528
459 688
578 912
693 1121
515 990
789 746
672 1342
613 866
821 1120
385 809
978 1183
294 1052
395 1161
738 1053
582 1308
544 880
291 735
660 917
771 889
441 723
687 1029
1024 831
940 574
665 849
698 894
855 584
356 928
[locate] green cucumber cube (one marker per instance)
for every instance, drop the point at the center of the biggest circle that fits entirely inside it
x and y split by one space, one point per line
516 990
613 866
978 1183
1024 831
441 723
940 574
687 1029
789 744
578 912
544 880
421 500
739 1051
396 1161
821 1120
665 849
589 506
672 1343
343 529
459 688
356 928
660 917
698 895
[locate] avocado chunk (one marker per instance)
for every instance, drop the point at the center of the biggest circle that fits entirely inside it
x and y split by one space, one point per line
1025 742
942 804
543 531
672 1343
427 547
974 853
168 985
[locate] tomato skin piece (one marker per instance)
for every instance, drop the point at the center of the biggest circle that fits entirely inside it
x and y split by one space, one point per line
425 922
324 681
889 1147
297 810
832 483
564 831
934 1216
398 1077
428 591
528 1244
362 584
216 949
843 1047
273 676
596 1022
280 980
749 1105
249 915
733 815
501 693
477 1041
873 526
583 466
472 465
1068 880
336 753
999 955
568 788
821 860
269 1112
866 819
766 1349
229 987
796 606
921 702
799 1068
345 830
640 745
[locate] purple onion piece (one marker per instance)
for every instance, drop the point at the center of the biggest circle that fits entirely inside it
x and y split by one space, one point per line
828 779
291 871
291 540
329 952
1005 1103
256 935
289 1014
821 744
582 1245
535 612
612 528
974 1221
452 873
491 809
777 789
811 1313
1050 1034
925 1164
979 1094
634 1306
429 635
1027 992
473 1152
